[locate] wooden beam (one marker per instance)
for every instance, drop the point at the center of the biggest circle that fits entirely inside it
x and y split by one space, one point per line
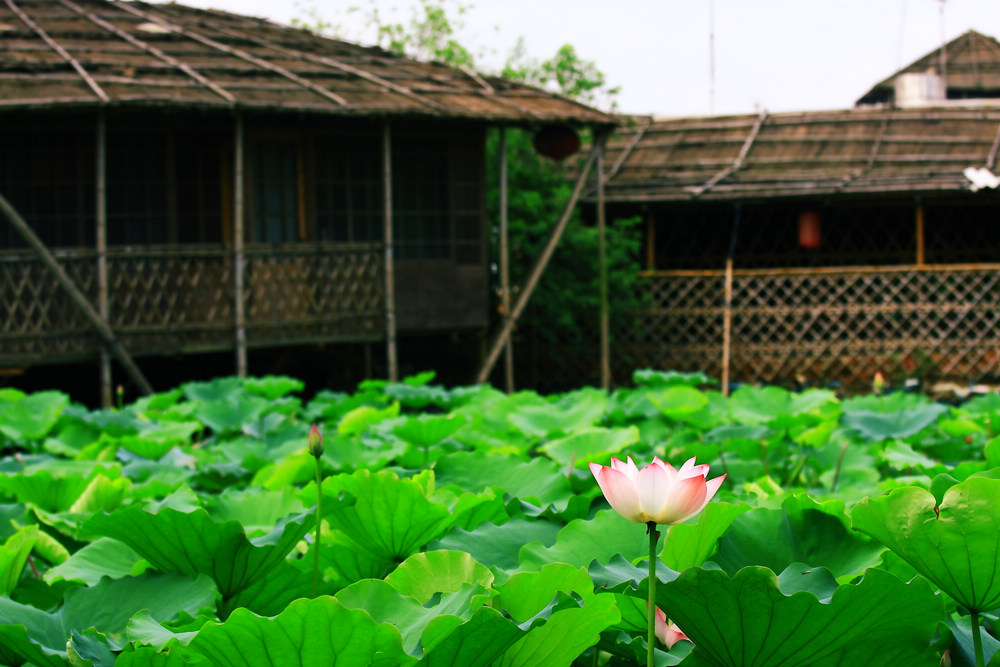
101 242
392 360
239 314
541 262
602 272
727 317
76 296
505 260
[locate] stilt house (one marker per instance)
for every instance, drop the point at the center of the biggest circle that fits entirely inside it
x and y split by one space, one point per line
859 240
206 181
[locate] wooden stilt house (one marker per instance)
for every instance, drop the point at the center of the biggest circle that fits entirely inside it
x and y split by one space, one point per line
857 240
207 181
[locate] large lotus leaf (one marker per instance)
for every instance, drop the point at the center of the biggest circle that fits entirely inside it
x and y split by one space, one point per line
584 540
285 581
272 387
256 509
527 593
678 402
747 620
566 634
147 656
497 545
13 556
232 413
898 424
571 412
475 643
428 430
102 557
422 575
194 543
689 545
364 416
32 634
213 390
32 416
53 490
389 516
539 480
590 444
802 531
321 631
654 378
761 405
344 562
955 544
153 443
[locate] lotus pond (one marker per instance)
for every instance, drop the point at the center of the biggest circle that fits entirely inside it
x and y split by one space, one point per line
462 526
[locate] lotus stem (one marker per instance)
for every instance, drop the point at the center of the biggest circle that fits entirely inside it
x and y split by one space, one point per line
651 604
319 521
977 640
840 462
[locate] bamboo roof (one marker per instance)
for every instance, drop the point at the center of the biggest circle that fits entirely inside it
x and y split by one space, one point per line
863 150
970 67
86 53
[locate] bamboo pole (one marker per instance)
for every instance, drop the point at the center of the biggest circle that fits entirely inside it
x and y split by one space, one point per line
76 296
239 312
505 261
602 270
101 241
538 268
390 278
727 317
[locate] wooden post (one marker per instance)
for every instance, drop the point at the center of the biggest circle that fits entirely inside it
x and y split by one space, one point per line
239 312
78 298
602 271
390 279
101 241
650 241
538 268
727 317
920 233
505 261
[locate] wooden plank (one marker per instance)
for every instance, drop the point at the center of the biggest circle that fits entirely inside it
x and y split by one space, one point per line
392 360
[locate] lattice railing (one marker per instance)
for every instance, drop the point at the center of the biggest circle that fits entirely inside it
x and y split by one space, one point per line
825 325
173 299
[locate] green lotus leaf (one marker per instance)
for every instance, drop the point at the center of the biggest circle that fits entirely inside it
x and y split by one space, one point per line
747 620
153 443
955 544
571 412
590 444
214 390
761 405
102 557
232 413
584 540
898 424
424 574
321 631
32 635
497 545
388 516
802 531
428 430
57 489
344 562
148 656
566 634
539 480
268 595
273 387
655 378
361 417
32 416
194 543
256 509
689 545
678 402
13 556
527 593
477 642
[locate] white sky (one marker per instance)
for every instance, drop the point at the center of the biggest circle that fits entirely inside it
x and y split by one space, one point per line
779 55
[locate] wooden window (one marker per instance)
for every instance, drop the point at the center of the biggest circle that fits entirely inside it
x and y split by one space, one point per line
349 190
276 190
46 173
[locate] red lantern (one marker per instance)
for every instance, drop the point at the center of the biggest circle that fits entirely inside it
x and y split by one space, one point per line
809 229
556 141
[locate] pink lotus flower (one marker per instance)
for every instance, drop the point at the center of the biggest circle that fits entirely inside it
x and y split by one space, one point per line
668 632
659 492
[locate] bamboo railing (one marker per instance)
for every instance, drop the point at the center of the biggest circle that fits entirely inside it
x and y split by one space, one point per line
175 299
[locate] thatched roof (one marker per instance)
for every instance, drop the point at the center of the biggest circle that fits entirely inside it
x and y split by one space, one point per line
59 53
853 151
971 70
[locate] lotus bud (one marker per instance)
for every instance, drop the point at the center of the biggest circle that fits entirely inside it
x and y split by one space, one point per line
878 383
667 631
316 447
